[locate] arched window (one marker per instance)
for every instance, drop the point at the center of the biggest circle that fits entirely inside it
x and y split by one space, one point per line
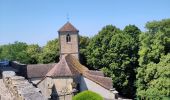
68 38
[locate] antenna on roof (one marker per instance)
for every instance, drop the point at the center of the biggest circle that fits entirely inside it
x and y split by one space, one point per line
68 17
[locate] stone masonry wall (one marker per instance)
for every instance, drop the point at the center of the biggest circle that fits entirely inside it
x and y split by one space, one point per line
69 47
20 88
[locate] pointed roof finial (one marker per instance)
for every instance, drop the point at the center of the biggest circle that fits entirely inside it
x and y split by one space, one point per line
68 17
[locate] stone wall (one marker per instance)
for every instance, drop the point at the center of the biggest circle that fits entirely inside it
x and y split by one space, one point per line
22 68
35 80
20 88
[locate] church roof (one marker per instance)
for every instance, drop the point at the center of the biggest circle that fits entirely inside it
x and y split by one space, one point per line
105 82
98 73
68 27
70 66
60 69
67 66
38 70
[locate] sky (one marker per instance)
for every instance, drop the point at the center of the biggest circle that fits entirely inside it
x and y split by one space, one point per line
37 21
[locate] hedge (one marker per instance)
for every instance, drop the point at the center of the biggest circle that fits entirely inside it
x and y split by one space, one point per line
87 95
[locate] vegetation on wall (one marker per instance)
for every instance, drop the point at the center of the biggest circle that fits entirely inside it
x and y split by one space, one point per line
138 62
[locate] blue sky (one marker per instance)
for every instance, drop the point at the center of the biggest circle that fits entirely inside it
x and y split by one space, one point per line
37 21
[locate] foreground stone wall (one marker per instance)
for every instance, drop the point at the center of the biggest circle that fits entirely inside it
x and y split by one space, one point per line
20 88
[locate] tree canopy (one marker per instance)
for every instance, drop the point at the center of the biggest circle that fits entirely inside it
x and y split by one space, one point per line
50 52
115 52
15 51
153 78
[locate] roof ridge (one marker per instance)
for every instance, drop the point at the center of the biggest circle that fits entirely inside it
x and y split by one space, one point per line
68 66
77 64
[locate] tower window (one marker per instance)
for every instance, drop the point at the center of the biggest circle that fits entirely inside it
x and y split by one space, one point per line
68 38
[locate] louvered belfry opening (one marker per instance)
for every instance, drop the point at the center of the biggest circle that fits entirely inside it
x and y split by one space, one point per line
68 38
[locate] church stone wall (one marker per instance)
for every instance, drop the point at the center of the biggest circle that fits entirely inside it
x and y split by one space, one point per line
69 47
60 88
46 87
63 85
87 84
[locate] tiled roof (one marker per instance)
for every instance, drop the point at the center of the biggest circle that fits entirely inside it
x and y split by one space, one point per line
95 76
98 73
75 65
70 66
105 82
67 66
38 70
68 27
60 69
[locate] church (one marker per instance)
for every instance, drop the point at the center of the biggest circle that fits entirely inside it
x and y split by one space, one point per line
62 80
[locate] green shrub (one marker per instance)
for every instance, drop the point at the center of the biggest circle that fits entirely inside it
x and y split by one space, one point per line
87 95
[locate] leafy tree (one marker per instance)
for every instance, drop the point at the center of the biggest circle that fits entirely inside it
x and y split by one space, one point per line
15 51
116 53
0 52
154 60
50 52
83 43
33 52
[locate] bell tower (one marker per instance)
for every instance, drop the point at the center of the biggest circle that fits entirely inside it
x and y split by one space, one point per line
68 40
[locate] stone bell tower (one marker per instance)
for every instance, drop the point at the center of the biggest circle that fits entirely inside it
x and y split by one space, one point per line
68 40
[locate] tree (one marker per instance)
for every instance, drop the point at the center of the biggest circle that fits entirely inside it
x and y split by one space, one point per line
50 52
83 43
15 51
33 52
154 61
116 53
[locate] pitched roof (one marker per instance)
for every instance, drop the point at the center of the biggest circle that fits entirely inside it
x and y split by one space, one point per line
70 66
38 70
60 69
98 73
95 76
68 27
75 65
105 82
